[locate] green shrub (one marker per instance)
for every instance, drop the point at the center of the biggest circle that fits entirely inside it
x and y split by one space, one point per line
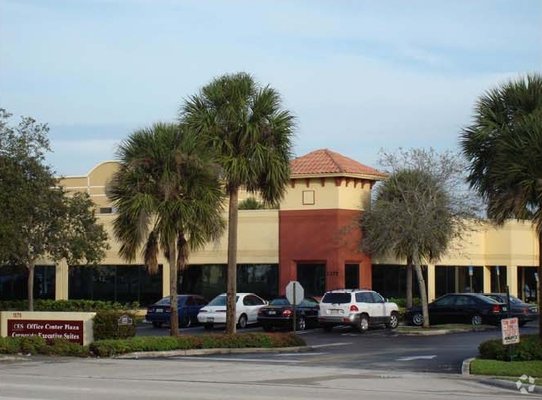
67 305
31 344
38 345
108 348
9 345
106 325
529 348
401 302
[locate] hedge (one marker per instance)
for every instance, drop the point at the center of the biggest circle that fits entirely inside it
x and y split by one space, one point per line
110 347
38 345
529 348
67 305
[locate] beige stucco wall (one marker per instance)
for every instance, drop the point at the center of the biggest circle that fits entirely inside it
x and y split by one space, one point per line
258 241
327 193
514 244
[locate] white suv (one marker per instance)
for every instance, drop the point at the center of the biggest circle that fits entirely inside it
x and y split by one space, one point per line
358 308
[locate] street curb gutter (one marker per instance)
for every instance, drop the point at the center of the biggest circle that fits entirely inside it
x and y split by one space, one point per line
204 352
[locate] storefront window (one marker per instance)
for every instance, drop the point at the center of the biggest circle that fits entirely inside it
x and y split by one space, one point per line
351 276
14 282
390 280
528 284
210 280
452 279
312 278
122 283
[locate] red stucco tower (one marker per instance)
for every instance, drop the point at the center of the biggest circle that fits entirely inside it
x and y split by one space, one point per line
319 235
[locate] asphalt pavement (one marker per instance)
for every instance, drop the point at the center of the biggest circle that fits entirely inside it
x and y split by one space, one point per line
378 349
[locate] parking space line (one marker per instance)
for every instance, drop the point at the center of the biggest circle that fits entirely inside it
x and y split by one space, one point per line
317 346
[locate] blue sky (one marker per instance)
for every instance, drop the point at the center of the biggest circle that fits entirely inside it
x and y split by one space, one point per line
359 75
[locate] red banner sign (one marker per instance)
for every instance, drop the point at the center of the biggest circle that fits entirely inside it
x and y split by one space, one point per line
47 329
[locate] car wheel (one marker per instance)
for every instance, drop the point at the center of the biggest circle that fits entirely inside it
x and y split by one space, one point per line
186 322
363 323
267 327
208 326
242 323
394 321
327 327
417 319
301 324
476 320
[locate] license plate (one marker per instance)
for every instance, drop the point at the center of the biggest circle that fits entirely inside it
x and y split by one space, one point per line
336 311
210 319
272 313
159 310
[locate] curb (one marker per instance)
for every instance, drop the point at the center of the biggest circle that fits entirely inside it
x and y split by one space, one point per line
465 367
203 352
13 358
443 331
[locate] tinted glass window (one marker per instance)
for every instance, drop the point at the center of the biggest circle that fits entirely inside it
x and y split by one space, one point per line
163 302
464 301
336 298
377 298
190 301
251 300
364 297
14 285
281 301
219 301
444 301
125 283
309 303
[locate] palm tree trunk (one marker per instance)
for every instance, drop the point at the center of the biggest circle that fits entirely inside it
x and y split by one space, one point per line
423 293
231 319
539 288
30 266
409 282
174 311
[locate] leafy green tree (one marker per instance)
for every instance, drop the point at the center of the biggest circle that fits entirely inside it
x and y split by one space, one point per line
40 220
504 148
417 211
168 198
250 203
252 138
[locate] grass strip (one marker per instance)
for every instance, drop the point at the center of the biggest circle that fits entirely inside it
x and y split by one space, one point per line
507 368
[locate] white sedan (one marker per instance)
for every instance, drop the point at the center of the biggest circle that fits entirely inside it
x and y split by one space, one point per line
246 310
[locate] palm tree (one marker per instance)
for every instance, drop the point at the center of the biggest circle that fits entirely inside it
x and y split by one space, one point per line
168 198
504 148
411 218
252 139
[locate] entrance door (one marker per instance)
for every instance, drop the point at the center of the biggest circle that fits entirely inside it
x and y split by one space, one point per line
312 278
351 276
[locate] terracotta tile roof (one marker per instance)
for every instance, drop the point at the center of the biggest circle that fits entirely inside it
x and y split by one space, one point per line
325 161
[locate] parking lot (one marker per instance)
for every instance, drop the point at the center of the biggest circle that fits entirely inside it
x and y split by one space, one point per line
378 349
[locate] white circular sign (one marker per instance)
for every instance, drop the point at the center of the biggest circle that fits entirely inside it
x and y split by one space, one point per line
294 287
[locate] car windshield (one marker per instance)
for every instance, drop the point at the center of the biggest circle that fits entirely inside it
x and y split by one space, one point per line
337 298
165 301
220 300
281 301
